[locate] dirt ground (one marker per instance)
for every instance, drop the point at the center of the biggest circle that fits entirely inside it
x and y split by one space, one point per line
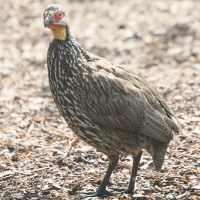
40 158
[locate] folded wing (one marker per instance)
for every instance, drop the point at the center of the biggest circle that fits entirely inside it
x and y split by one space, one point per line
115 96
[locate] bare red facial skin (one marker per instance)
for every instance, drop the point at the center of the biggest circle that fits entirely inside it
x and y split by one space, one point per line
58 16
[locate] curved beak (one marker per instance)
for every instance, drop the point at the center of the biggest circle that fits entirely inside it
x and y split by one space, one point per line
47 21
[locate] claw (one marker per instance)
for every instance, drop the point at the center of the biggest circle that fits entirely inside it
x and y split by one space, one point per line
117 189
123 190
97 194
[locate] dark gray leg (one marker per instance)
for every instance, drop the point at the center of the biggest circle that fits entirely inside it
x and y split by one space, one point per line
113 160
136 161
131 187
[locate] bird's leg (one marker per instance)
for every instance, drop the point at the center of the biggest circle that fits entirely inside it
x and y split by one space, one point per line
113 160
131 187
136 161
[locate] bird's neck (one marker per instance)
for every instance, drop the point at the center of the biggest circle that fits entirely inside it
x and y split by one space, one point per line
59 32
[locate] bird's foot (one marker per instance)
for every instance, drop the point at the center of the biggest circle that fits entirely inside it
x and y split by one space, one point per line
123 190
117 189
129 191
97 194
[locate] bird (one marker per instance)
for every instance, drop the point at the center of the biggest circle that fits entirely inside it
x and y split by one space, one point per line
108 106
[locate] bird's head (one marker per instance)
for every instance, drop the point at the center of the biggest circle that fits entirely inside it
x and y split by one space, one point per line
56 18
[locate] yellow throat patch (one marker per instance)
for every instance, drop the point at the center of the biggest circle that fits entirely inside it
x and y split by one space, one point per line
59 32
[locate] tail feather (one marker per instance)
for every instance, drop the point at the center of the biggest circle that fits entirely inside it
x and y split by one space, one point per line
159 151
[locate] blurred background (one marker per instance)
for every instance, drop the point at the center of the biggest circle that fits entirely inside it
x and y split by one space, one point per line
160 39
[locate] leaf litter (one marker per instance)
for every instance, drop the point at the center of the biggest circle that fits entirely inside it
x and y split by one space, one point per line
40 156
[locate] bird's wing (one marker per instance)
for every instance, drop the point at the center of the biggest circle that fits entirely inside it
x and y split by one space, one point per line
115 96
151 91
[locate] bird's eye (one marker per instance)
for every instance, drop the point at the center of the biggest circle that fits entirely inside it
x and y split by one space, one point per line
58 16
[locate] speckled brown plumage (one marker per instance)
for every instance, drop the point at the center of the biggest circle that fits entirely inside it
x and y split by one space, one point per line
108 106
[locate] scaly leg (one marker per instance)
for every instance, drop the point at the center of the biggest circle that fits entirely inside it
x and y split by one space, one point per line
131 187
136 161
113 160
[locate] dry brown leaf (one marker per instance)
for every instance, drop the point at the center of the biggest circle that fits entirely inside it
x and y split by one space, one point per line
186 177
29 156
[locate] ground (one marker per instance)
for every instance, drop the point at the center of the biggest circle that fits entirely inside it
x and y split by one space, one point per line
40 156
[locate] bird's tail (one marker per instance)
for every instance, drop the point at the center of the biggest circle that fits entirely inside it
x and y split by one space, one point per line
159 150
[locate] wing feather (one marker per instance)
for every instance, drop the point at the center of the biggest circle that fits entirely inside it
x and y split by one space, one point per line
115 96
